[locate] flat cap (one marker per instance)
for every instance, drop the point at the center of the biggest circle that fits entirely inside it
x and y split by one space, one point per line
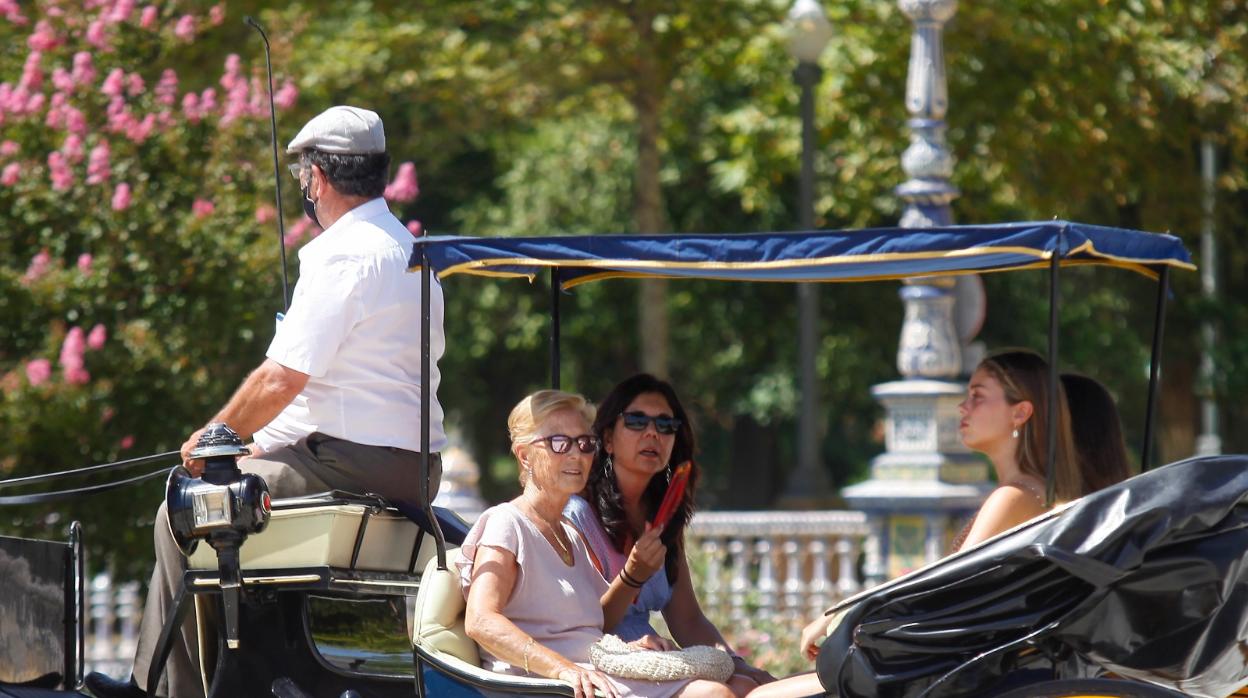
341 129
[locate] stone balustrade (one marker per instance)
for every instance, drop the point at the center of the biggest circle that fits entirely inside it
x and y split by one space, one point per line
784 564
112 618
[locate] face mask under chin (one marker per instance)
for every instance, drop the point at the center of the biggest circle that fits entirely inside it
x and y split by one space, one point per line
309 206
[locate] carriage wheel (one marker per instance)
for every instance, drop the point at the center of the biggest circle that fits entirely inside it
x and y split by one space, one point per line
1090 688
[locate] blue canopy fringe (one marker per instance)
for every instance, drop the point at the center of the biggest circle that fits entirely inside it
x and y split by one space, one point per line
870 254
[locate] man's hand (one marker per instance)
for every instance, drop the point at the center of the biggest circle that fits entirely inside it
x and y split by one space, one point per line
196 467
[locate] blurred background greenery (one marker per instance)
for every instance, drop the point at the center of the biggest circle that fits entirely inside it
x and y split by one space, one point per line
588 116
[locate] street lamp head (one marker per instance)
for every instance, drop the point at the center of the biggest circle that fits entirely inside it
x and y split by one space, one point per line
809 30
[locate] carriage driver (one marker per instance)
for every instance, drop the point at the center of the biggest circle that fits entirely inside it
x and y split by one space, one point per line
336 402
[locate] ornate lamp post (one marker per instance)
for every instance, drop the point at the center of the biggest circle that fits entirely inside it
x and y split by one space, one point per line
809 32
926 480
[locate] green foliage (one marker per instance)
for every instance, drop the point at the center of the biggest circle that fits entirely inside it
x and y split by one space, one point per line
180 280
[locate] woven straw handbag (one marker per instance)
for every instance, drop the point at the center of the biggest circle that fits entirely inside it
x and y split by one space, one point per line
613 656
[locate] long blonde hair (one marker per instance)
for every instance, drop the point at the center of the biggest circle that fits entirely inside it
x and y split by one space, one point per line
527 416
1024 375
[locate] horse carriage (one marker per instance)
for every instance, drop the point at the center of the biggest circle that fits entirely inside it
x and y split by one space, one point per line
1144 581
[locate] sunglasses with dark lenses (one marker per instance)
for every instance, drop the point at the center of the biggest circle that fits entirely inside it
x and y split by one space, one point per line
562 443
663 424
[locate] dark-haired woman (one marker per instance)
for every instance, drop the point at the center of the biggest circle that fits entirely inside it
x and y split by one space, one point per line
1097 431
645 433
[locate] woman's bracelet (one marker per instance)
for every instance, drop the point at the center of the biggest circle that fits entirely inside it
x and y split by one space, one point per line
527 644
629 579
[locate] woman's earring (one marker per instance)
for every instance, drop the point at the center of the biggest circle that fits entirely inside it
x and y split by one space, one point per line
1016 433
606 466
669 473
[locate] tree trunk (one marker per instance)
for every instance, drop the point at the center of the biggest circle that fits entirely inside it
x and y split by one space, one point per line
648 206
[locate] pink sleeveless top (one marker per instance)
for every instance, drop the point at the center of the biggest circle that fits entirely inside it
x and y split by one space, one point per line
557 605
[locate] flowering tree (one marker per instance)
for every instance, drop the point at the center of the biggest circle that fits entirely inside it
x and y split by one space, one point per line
138 270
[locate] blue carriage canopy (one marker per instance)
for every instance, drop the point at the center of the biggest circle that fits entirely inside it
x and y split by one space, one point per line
870 254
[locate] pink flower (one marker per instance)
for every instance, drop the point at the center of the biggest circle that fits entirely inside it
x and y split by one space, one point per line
233 68
190 107
138 131
207 101
97 337
58 170
98 169
63 80
43 38
84 263
72 148
83 71
32 74
404 188
202 208
75 122
122 10
265 213
35 103
135 85
38 371
121 197
167 89
416 228
114 84
9 149
286 95
10 175
297 231
96 34
12 12
216 14
185 28
235 105
72 350
147 19
38 266
126 442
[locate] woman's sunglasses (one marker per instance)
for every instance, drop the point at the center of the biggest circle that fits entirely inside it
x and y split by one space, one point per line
637 421
562 443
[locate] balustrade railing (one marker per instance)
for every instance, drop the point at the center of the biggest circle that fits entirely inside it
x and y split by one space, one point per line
780 563
112 619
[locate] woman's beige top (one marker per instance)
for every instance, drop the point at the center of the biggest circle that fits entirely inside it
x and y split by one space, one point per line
557 605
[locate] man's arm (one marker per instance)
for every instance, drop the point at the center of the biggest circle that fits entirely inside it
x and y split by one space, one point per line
261 397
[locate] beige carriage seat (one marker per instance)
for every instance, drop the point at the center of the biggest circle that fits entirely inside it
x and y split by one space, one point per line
323 532
438 627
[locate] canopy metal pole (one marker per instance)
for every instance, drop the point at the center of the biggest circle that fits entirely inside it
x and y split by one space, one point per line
1154 368
426 288
1050 474
554 327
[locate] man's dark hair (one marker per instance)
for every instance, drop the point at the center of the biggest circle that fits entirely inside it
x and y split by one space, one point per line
352 174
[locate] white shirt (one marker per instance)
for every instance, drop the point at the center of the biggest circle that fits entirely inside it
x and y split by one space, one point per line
354 328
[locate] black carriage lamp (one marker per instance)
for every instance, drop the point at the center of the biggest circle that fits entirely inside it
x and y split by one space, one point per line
223 506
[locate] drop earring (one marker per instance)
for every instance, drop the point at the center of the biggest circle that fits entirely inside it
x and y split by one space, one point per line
607 466
1016 433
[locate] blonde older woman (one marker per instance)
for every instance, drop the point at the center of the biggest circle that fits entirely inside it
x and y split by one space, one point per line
535 600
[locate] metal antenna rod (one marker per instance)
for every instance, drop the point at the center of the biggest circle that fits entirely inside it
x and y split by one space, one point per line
277 173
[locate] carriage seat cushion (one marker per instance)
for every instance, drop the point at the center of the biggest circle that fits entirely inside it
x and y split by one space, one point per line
438 621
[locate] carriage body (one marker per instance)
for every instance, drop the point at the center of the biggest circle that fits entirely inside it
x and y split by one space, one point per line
279 656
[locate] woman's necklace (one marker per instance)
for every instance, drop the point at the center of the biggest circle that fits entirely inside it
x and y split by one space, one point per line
564 551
